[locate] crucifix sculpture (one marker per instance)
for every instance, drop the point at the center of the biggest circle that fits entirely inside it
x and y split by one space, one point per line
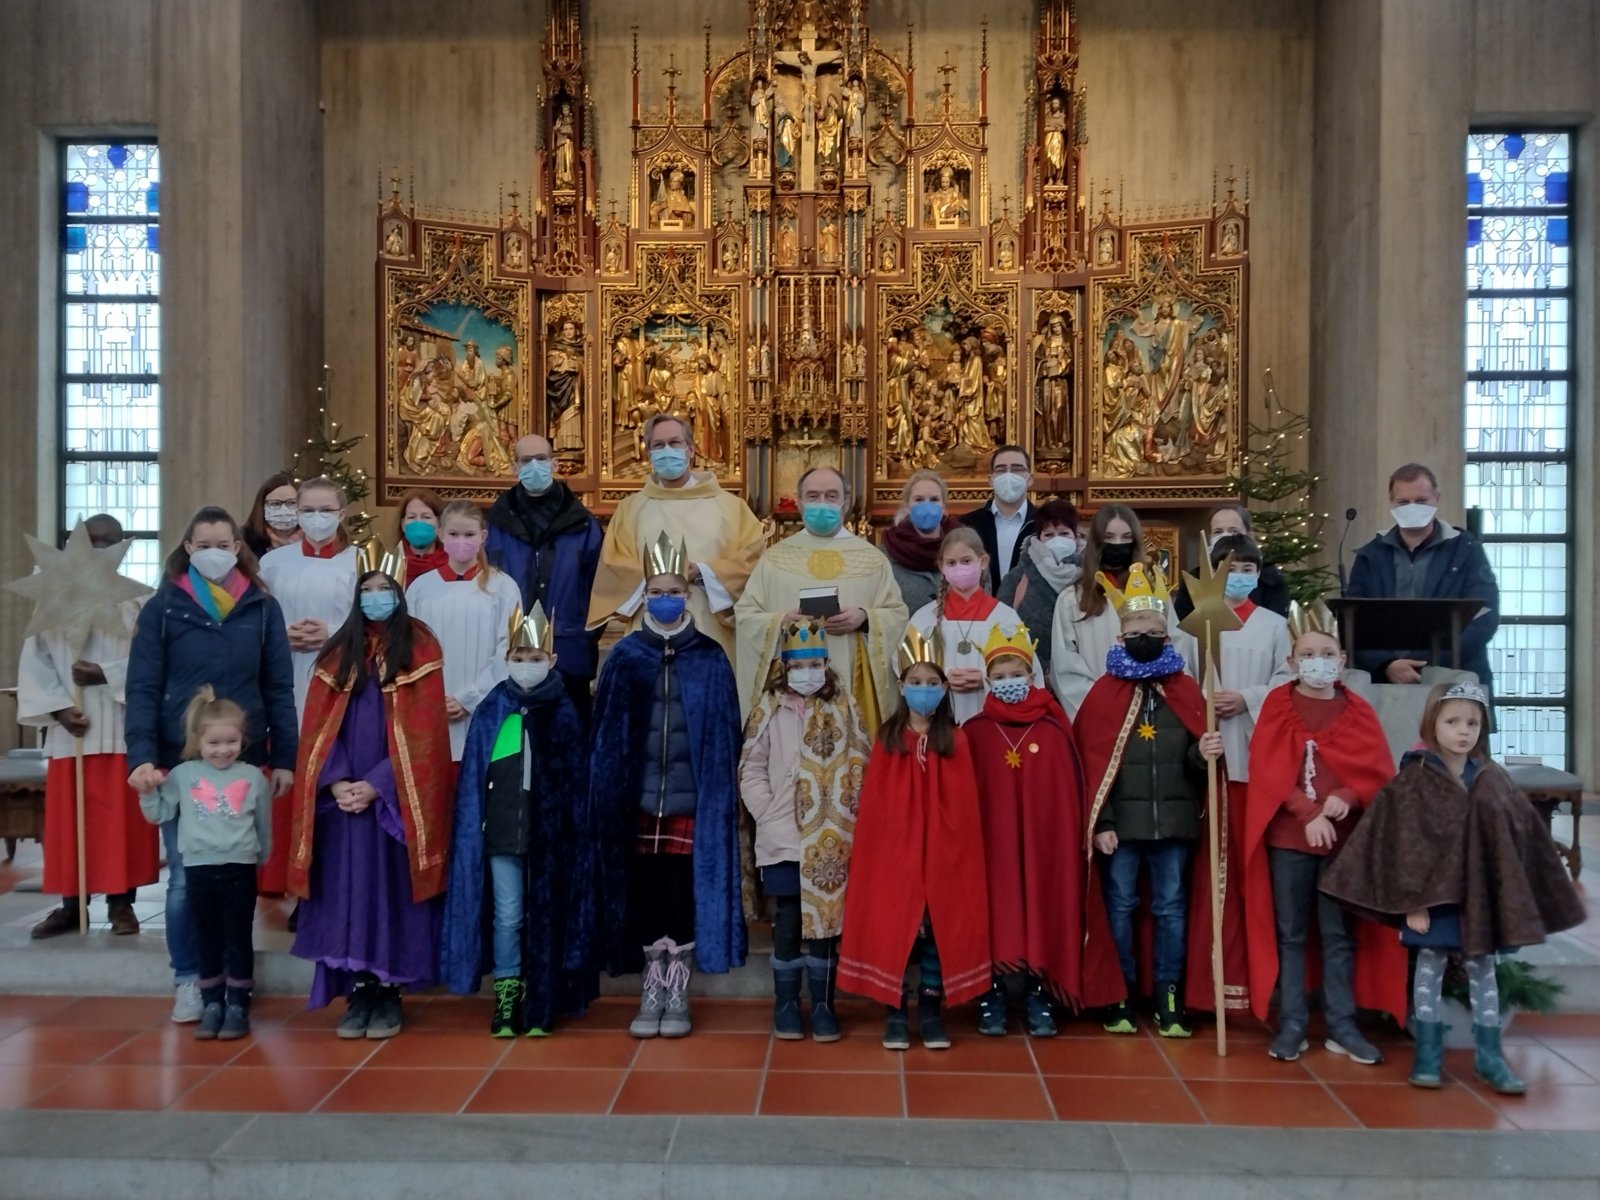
808 60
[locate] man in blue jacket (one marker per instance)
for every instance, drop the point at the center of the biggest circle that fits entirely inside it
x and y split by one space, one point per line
541 535
1425 558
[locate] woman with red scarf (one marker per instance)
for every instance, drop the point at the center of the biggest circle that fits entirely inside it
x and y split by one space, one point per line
911 541
1030 799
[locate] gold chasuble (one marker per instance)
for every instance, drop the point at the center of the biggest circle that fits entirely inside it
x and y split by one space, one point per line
863 660
721 532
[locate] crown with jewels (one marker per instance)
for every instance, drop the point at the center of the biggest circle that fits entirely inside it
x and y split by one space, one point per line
1146 590
531 630
802 640
914 649
663 558
1019 642
1466 690
1312 618
371 556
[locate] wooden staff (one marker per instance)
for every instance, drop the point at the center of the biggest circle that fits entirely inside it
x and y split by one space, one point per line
1213 828
83 860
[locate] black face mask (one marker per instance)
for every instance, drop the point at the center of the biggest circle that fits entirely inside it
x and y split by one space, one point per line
1144 647
1116 556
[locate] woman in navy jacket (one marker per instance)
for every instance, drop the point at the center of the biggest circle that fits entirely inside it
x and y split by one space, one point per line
211 622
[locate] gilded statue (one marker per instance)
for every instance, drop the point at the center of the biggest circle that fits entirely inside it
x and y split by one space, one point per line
967 361
997 390
565 157
1052 383
830 128
946 206
674 206
708 401
828 239
425 410
563 388
1055 140
898 414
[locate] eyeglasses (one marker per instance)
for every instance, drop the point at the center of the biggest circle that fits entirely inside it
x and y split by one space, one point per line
676 443
654 593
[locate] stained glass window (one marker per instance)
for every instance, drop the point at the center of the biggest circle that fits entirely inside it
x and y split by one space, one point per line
110 366
1519 423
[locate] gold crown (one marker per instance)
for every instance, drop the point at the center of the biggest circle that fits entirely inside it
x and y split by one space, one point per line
1146 590
1019 642
806 638
371 556
1312 618
531 632
661 557
914 649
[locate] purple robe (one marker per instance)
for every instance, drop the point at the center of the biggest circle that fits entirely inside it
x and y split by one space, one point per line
360 915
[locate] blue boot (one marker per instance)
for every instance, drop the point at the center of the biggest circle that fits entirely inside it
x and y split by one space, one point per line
1428 1063
786 1025
992 1011
1489 1065
821 972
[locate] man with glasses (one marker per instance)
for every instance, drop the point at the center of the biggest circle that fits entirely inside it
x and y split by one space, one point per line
723 537
542 536
1005 523
851 581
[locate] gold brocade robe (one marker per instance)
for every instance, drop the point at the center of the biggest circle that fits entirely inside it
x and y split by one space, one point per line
864 660
719 529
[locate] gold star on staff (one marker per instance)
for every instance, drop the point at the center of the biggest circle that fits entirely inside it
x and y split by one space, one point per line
1014 759
1213 615
1147 731
77 590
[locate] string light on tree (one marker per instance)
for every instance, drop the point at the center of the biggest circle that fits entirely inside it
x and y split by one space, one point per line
1278 496
327 453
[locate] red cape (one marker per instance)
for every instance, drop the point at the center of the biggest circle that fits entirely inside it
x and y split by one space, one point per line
916 851
1040 900
419 750
1104 723
1357 750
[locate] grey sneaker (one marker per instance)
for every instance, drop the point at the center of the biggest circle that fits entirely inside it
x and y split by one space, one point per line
679 968
1289 1045
1349 1042
186 1004
358 1012
385 1021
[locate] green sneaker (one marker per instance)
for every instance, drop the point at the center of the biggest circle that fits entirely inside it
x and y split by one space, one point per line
1119 1019
1171 1020
507 1008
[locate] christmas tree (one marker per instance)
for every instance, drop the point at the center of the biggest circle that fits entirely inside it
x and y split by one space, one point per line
327 453
1278 495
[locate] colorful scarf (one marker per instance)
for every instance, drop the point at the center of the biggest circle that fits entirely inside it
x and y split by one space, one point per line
217 599
1120 664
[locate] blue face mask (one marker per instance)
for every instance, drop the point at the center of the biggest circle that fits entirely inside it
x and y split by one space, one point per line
420 534
1240 585
536 475
379 606
669 462
822 519
923 698
665 610
926 515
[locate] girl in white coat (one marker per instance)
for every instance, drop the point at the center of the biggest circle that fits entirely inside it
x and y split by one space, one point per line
468 605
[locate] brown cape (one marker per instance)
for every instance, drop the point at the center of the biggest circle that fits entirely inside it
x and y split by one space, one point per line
1429 841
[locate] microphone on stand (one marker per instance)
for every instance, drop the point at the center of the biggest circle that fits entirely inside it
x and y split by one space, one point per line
1349 517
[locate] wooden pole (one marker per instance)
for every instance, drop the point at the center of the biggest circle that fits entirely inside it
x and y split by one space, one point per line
83 860
1213 829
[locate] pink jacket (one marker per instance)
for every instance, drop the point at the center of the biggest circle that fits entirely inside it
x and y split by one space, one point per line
766 784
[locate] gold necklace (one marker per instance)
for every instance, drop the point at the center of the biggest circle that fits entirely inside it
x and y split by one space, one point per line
1014 754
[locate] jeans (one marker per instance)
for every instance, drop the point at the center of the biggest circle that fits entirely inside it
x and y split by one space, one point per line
1167 860
506 874
224 911
1295 897
183 947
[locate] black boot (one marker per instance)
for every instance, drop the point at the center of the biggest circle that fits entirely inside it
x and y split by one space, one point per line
896 1029
822 973
236 1018
1040 1013
930 1024
992 1011
385 1022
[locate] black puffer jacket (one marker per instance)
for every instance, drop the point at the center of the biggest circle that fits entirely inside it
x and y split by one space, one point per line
666 783
1158 792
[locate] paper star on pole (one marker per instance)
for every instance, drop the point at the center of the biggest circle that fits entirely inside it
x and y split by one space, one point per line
77 590
1212 615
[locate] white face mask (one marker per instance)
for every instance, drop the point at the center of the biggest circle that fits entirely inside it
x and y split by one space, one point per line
282 517
807 680
1009 488
214 563
1413 516
319 526
1318 672
528 675
1063 547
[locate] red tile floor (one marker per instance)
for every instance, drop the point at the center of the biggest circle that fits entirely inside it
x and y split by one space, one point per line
116 1053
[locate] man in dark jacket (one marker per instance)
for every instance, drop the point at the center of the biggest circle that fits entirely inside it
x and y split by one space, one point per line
541 535
1425 558
1005 523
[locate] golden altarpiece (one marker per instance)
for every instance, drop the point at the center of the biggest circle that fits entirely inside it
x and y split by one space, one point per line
810 266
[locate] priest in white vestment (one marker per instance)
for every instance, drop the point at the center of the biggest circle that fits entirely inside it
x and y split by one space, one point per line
723 537
865 633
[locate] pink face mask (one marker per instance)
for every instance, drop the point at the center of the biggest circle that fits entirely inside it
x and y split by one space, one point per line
460 548
963 576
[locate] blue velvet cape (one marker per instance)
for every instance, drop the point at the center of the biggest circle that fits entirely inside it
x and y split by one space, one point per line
560 869
623 702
